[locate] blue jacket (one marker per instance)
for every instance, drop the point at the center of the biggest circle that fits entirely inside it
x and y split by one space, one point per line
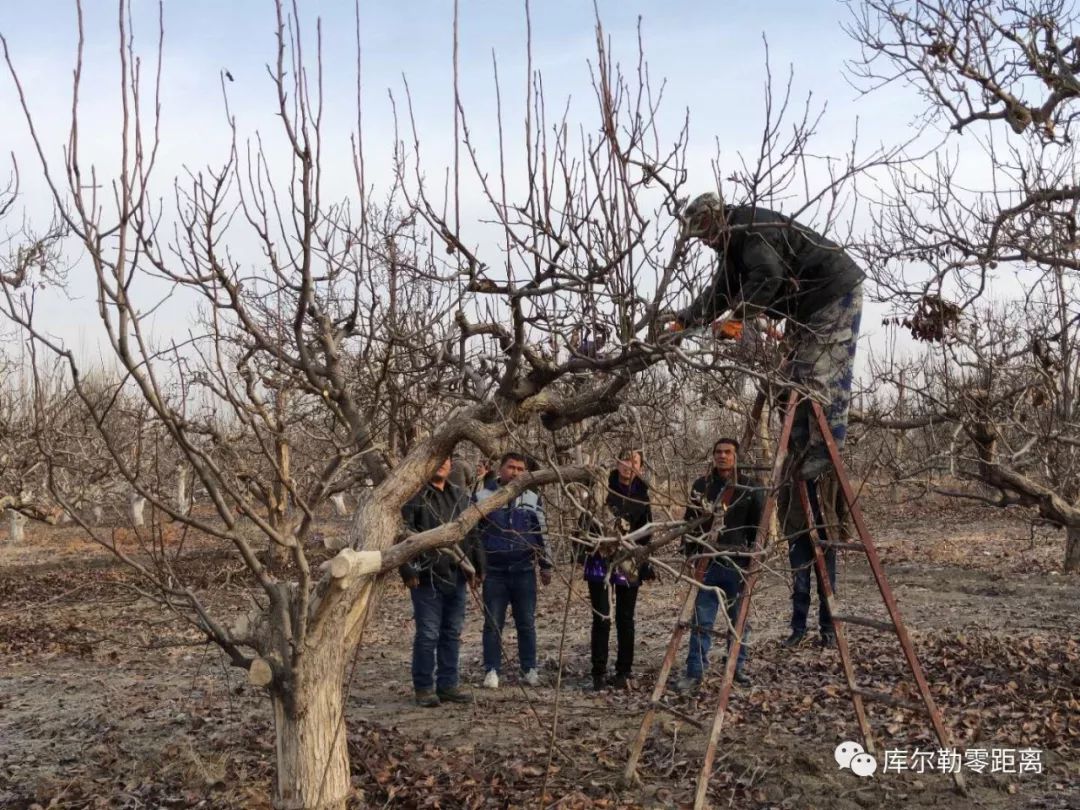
514 537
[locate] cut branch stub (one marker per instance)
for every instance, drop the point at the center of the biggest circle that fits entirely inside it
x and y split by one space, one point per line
349 564
260 673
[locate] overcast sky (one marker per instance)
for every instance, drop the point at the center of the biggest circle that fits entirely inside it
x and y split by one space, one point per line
711 54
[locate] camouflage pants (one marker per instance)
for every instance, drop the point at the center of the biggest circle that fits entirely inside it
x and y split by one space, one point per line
821 357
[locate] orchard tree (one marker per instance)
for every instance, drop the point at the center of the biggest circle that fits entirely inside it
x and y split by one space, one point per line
369 337
996 212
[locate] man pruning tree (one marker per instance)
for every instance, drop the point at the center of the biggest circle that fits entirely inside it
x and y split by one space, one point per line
770 265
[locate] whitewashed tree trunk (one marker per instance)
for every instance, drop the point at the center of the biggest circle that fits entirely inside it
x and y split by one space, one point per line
313 761
898 493
312 757
340 508
16 527
768 455
137 509
99 515
183 502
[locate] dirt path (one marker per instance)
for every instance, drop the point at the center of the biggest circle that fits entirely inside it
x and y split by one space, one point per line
92 717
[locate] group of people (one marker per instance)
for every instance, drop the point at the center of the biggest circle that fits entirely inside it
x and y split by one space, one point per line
769 268
724 511
508 552
500 557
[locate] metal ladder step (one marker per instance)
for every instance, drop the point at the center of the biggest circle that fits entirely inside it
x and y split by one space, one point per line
667 707
875 624
885 697
829 544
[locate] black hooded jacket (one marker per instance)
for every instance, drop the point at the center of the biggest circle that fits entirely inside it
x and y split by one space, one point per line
429 509
630 504
771 264
740 517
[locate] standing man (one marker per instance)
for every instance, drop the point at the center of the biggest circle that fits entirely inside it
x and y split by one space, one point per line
738 503
515 543
770 265
437 583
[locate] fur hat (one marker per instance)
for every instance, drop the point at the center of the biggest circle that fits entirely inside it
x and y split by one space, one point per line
703 214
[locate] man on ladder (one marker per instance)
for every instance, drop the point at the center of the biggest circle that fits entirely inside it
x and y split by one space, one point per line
770 265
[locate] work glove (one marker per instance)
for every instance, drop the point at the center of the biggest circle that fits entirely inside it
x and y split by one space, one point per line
727 329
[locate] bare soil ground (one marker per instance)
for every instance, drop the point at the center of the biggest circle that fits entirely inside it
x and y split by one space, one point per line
104 702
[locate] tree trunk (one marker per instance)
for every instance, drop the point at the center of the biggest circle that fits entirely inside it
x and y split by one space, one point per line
278 517
281 489
16 524
182 493
277 556
340 507
1072 549
283 454
136 510
898 444
312 758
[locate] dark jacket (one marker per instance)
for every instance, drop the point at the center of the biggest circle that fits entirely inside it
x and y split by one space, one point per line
771 263
514 536
630 506
629 503
429 509
741 515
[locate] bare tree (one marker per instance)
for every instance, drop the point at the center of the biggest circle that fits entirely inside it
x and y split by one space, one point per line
352 329
29 261
1004 78
995 403
367 341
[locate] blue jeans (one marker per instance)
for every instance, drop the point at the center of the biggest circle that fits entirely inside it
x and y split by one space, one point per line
439 618
730 581
801 558
516 589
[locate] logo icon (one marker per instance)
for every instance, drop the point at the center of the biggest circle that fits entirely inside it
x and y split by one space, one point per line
850 754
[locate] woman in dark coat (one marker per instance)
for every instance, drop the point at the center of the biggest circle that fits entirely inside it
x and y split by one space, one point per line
627 503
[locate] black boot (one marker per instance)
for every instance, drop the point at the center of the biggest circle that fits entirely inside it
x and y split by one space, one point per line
795 639
828 639
427 698
454 694
598 683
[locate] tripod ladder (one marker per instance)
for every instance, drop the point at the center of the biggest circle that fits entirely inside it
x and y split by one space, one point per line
821 543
